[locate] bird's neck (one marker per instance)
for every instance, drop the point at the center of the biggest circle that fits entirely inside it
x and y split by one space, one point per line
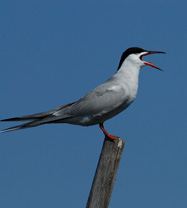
129 72
128 75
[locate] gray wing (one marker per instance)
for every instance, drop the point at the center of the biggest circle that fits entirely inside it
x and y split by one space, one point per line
99 102
102 100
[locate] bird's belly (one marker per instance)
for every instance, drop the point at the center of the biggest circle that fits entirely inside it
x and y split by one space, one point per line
115 112
86 120
100 118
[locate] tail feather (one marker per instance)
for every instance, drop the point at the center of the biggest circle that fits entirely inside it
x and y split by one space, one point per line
31 117
22 126
37 115
36 119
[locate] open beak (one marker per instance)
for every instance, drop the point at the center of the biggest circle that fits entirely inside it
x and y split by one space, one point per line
150 63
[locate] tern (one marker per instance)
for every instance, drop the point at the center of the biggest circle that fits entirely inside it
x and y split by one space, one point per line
102 103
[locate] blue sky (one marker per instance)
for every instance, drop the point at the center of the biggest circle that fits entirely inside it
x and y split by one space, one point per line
53 52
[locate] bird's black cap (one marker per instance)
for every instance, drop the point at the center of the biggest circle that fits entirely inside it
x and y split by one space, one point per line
132 50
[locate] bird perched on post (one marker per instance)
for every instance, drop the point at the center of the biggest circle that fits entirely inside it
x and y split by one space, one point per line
102 103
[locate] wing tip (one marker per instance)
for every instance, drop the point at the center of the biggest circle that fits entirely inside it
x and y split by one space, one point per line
9 129
11 119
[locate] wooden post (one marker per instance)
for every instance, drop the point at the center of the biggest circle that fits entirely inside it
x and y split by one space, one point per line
106 172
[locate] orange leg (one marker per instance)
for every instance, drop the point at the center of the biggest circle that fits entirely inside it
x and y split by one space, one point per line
105 132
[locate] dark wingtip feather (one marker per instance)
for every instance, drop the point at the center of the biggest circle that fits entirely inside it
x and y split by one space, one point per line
10 129
22 126
11 119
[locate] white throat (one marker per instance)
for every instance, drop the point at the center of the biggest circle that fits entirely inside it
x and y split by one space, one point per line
128 74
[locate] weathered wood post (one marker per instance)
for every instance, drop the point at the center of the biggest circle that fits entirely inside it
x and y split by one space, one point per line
106 172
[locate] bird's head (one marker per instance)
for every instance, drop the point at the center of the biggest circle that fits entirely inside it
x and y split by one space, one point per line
133 57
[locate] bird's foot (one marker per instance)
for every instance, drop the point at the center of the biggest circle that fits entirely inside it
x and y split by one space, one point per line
110 136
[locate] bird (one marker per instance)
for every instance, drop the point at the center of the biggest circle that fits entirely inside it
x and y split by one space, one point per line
102 103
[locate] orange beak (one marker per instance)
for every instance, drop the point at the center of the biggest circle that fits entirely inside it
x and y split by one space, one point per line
150 63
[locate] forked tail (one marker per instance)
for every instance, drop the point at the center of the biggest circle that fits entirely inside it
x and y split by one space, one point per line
39 118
